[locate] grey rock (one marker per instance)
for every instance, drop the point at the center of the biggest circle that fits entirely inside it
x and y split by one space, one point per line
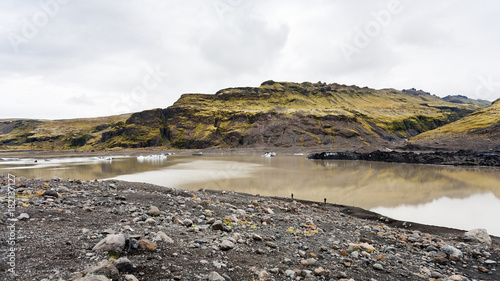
452 251
390 249
217 225
320 271
226 245
218 264
187 222
431 249
312 261
23 216
310 278
62 189
130 277
161 236
112 243
92 277
355 254
151 221
154 211
271 244
490 262
123 264
260 251
269 211
104 268
51 193
480 235
435 274
341 274
74 276
263 275
257 237
108 231
214 276
290 273
377 266
306 273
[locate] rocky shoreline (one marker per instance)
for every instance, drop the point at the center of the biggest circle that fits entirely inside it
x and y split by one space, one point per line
459 158
99 230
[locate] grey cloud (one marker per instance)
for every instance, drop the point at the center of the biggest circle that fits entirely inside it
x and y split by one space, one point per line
245 46
102 50
80 100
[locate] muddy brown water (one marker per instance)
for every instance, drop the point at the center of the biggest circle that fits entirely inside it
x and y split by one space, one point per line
458 197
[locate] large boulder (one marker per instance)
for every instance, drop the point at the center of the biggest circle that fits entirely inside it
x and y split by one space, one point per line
113 243
480 235
451 251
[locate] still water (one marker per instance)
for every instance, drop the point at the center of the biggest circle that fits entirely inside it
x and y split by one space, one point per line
459 197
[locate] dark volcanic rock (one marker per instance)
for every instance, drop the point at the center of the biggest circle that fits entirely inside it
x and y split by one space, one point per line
467 158
51 193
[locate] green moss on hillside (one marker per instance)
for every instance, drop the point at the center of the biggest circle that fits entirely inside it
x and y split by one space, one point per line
274 114
473 125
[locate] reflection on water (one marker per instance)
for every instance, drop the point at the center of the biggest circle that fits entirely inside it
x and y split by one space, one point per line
369 185
78 168
479 208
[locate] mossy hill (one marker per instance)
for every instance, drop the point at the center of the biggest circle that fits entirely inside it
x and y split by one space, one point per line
477 131
25 134
276 114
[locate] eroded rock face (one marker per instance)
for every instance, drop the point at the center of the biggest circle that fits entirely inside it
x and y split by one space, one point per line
286 114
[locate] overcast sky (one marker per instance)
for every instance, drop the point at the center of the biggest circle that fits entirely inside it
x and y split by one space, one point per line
70 58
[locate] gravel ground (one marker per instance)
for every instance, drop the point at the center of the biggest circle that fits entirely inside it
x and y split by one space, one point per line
98 230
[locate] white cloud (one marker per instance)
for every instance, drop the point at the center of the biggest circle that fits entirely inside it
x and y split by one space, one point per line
103 50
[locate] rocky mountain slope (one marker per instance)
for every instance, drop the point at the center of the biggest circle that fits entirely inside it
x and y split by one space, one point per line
478 131
276 114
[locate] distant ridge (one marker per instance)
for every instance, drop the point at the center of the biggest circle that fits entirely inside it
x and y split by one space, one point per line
465 100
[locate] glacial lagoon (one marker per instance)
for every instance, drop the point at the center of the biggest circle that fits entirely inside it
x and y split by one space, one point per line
458 197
